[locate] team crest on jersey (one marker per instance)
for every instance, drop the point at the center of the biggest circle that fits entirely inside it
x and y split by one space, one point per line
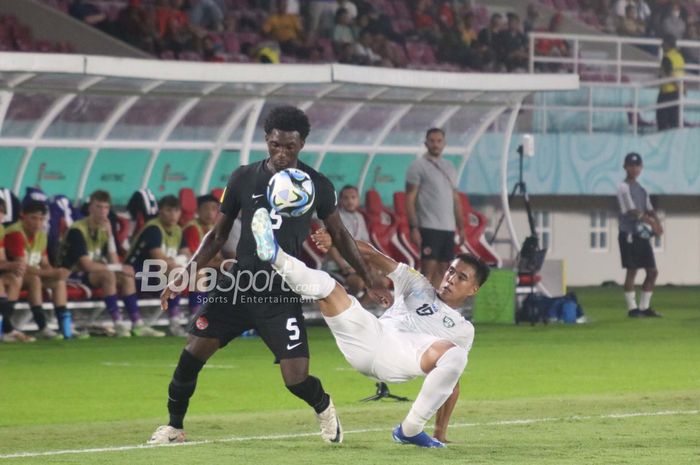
448 322
202 323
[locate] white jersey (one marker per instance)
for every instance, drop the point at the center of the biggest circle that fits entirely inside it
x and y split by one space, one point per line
418 309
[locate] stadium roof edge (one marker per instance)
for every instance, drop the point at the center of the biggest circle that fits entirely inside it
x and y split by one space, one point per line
284 73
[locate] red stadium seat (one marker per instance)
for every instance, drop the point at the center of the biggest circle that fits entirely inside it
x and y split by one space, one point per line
188 205
475 241
403 230
217 192
310 254
381 224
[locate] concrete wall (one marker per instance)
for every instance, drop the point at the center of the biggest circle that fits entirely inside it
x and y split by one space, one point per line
47 23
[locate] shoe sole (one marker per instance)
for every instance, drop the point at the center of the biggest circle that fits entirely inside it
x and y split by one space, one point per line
266 248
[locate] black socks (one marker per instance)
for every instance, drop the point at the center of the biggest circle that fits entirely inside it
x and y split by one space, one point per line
182 387
311 391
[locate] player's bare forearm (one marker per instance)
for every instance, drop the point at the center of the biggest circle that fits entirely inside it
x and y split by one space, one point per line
213 241
411 196
459 214
443 415
375 258
344 242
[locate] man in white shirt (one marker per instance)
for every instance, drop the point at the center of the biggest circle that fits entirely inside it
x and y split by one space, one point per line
420 335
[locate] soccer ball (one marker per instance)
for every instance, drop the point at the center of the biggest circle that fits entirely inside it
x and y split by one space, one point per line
291 192
644 230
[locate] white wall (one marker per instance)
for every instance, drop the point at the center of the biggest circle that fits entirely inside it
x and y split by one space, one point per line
678 258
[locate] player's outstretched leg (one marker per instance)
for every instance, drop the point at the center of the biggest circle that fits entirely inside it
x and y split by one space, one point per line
448 363
309 283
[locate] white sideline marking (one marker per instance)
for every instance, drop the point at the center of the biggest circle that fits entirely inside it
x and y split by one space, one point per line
525 421
161 365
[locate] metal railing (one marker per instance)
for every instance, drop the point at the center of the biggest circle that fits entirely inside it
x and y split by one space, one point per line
631 110
579 44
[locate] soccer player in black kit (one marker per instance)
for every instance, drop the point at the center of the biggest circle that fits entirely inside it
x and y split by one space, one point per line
274 312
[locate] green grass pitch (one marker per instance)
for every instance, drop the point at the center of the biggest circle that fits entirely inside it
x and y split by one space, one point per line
614 391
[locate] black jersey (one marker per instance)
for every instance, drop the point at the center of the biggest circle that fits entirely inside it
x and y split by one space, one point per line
246 192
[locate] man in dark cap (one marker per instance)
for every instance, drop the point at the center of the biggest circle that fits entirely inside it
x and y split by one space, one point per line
638 223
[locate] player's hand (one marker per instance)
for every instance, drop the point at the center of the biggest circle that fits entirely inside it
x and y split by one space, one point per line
654 223
460 236
416 237
61 273
17 268
169 292
322 240
127 270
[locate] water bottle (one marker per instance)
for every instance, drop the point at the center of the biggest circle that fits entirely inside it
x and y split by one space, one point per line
67 324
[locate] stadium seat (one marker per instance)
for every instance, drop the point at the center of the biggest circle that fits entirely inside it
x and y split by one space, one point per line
403 230
217 192
381 224
142 207
311 254
188 205
475 240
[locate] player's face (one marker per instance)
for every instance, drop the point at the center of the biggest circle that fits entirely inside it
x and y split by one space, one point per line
99 211
33 222
169 216
283 148
633 171
350 200
435 143
458 283
208 212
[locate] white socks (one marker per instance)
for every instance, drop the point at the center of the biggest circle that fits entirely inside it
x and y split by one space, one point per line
631 300
314 284
437 387
645 300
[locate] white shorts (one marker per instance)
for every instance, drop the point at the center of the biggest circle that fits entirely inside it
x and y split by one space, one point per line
375 350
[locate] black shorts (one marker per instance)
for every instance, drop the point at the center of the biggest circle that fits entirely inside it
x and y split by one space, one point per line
278 318
437 245
635 251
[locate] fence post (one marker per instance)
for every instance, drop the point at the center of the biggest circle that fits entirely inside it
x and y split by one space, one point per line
531 45
576 55
635 111
619 61
681 101
590 110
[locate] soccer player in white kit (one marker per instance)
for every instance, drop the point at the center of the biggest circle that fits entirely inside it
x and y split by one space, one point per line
420 335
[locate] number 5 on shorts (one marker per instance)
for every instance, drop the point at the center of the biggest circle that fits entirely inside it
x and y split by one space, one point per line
293 328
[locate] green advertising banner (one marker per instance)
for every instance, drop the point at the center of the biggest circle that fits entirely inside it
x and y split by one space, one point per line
495 301
175 169
10 159
228 161
387 174
54 171
343 168
119 172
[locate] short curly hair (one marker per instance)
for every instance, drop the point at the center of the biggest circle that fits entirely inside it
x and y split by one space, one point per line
288 118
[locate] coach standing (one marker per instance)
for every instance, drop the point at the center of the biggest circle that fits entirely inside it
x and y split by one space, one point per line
433 207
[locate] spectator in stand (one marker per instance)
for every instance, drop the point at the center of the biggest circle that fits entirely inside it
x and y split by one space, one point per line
354 221
161 239
136 26
169 12
88 13
286 29
11 274
531 18
511 45
672 65
363 53
553 47
487 42
89 251
349 7
469 47
343 32
210 52
387 50
641 9
207 15
674 24
179 38
192 235
426 25
630 25
26 241
433 207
